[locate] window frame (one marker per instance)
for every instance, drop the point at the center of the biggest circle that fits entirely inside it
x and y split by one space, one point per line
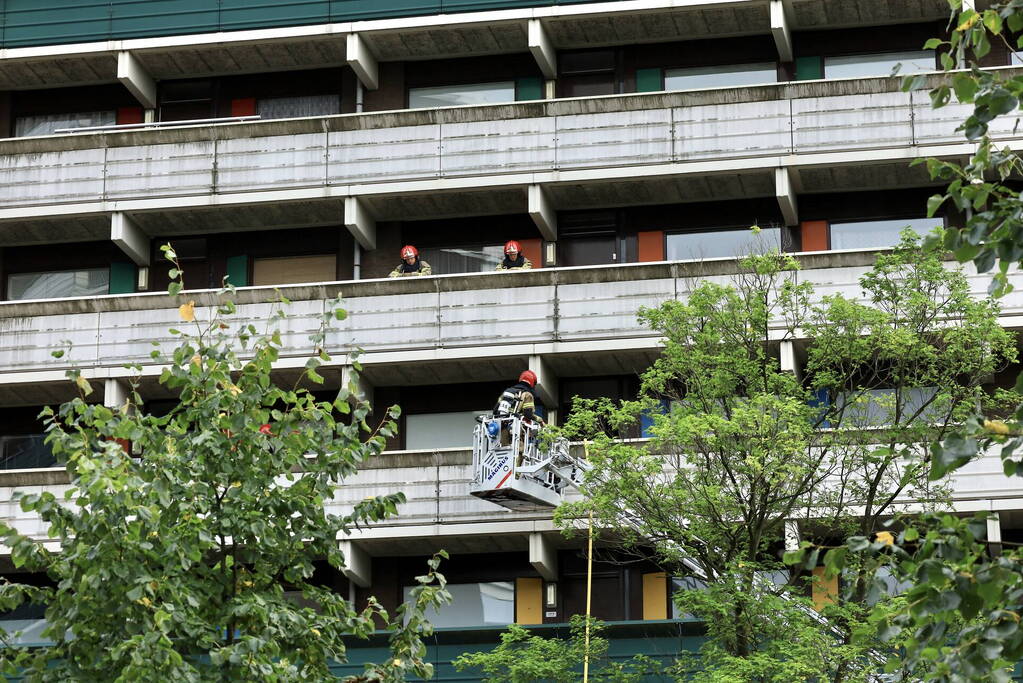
782 246
435 612
824 62
475 245
914 217
454 86
665 75
100 268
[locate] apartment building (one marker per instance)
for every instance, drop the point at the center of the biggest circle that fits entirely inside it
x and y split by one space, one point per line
626 145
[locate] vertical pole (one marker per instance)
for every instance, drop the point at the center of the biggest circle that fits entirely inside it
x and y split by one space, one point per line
589 589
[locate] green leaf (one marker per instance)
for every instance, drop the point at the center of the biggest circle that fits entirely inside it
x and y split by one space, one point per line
965 86
992 21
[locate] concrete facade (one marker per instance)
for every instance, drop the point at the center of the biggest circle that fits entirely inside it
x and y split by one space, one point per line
598 187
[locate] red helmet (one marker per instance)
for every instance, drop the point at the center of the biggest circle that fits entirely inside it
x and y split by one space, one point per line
512 245
529 377
408 251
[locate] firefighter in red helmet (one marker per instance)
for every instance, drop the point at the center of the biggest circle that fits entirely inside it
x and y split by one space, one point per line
514 259
411 265
519 399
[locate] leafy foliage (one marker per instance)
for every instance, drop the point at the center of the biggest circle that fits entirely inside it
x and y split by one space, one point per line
959 618
195 561
740 444
524 658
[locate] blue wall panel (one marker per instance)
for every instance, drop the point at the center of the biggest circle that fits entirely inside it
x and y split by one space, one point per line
39 22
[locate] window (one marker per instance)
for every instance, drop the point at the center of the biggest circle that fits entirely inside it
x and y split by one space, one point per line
25 451
721 243
877 407
463 259
474 604
588 73
879 64
441 430
30 126
297 107
779 577
294 269
882 233
186 100
729 75
58 285
455 95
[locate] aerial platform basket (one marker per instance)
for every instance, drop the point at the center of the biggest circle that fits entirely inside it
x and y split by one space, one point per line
511 470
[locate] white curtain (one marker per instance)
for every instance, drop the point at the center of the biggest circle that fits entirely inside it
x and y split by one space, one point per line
298 107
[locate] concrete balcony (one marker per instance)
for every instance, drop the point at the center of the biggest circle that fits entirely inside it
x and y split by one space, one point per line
440 513
461 324
603 151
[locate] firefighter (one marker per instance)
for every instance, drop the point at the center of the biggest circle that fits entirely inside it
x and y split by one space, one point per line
411 265
514 259
519 399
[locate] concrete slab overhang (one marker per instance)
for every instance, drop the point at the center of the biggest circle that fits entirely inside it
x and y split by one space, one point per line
496 195
476 161
439 36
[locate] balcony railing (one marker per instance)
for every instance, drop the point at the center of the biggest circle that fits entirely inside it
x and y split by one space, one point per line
450 312
769 122
436 485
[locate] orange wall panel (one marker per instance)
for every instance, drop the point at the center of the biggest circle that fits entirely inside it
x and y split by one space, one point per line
130 115
245 106
533 250
814 235
650 245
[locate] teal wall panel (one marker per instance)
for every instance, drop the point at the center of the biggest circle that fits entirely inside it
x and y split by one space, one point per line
356 10
246 14
30 22
144 18
661 640
36 22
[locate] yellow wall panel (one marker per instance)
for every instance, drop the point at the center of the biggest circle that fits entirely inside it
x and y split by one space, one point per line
824 590
655 596
528 601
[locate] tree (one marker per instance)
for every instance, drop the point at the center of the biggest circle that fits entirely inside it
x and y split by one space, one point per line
525 658
959 620
183 564
740 445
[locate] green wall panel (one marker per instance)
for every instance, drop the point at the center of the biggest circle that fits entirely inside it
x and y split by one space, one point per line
529 88
809 68
238 270
34 22
123 277
649 80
